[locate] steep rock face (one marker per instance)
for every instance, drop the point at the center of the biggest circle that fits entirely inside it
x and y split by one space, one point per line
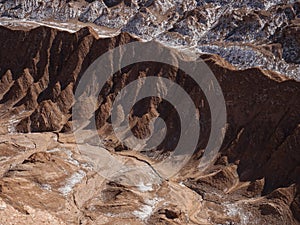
40 69
44 64
261 122
263 119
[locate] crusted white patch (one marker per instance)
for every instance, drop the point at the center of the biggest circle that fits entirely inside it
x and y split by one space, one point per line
71 182
2 205
14 120
234 210
11 127
70 158
53 150
146 210
181 184
87 166
144 187
69 154
144 213
55 138
46 187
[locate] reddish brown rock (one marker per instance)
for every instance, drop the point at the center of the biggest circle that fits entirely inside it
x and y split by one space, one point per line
255 177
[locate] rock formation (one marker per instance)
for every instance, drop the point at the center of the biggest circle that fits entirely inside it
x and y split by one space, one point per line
250 46
44 177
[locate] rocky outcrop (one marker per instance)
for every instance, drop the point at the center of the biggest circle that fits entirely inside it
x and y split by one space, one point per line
45 64
255 177
44 179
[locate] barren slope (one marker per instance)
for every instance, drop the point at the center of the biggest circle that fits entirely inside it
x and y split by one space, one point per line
44 176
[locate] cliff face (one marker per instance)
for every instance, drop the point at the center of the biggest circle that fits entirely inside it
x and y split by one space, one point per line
254 177
38 71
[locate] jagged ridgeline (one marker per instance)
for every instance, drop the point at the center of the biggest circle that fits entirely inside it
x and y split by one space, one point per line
40 67
245 33
252 48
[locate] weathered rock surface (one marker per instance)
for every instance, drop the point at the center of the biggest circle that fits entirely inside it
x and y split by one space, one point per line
47 181
44 177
